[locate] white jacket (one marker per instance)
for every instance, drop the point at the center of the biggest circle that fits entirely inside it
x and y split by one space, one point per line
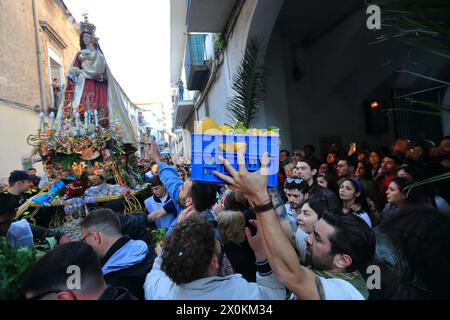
158 286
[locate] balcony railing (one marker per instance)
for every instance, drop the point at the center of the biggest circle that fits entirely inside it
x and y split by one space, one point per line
187 95
196 67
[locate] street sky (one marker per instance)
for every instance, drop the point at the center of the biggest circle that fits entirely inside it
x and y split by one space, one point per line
135 37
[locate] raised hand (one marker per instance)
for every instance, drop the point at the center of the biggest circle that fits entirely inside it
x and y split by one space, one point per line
186 213
153 152
253 185
256 242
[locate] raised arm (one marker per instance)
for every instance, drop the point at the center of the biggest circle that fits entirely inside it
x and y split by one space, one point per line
155 215
167 174
288 227
280 252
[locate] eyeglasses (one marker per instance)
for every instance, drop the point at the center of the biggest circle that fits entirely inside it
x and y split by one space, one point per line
84 238
296 181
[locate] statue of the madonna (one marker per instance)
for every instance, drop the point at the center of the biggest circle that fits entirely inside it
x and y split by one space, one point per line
91 89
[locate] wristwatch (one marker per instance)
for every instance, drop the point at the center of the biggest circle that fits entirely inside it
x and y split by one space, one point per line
266 206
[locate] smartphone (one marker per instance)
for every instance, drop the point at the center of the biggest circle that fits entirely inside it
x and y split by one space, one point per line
353 146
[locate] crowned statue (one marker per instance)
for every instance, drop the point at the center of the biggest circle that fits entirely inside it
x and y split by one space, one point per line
91 135
92 96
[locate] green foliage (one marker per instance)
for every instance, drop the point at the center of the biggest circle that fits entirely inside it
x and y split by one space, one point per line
444 176
249 85
66 160
14 263
158 235
219 42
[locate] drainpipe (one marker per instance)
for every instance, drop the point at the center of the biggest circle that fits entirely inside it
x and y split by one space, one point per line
39 57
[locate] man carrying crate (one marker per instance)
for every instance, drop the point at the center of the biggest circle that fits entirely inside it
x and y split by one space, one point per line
191 197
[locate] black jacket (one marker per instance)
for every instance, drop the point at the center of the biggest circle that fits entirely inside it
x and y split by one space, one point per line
242 258
135 226
116 294
398 279
133 277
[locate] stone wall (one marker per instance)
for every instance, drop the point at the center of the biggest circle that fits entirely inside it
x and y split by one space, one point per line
19 83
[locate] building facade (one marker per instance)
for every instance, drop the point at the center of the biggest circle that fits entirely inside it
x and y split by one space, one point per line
26 87
158 120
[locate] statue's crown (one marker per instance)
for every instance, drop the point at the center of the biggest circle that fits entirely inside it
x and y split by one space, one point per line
86 26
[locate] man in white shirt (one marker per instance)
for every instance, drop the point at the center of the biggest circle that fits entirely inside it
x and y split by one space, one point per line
188 268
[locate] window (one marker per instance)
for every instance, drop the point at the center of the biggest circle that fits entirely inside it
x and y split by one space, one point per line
56 77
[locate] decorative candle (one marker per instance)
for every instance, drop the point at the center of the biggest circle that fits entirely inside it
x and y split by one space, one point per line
52 120
86 120
96 117
59 122
77 122
41 121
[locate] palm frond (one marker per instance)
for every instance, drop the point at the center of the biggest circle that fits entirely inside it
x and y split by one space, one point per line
415 111
249 85
419 92
437 178
422 24
425 77
435 106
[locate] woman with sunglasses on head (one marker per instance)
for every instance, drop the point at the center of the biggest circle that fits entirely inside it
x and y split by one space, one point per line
353 199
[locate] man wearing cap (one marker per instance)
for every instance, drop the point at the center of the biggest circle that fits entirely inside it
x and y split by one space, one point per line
19 182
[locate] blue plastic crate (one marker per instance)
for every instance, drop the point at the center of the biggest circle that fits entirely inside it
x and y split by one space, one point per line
206 150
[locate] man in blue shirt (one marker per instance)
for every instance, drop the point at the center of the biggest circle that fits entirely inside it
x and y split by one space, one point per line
195 197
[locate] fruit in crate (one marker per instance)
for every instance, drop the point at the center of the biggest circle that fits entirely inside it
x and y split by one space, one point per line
239 128
253 132
213 131
226 129
208 126
273 131
227 146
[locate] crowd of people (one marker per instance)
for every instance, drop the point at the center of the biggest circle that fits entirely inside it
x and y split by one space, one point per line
319 235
